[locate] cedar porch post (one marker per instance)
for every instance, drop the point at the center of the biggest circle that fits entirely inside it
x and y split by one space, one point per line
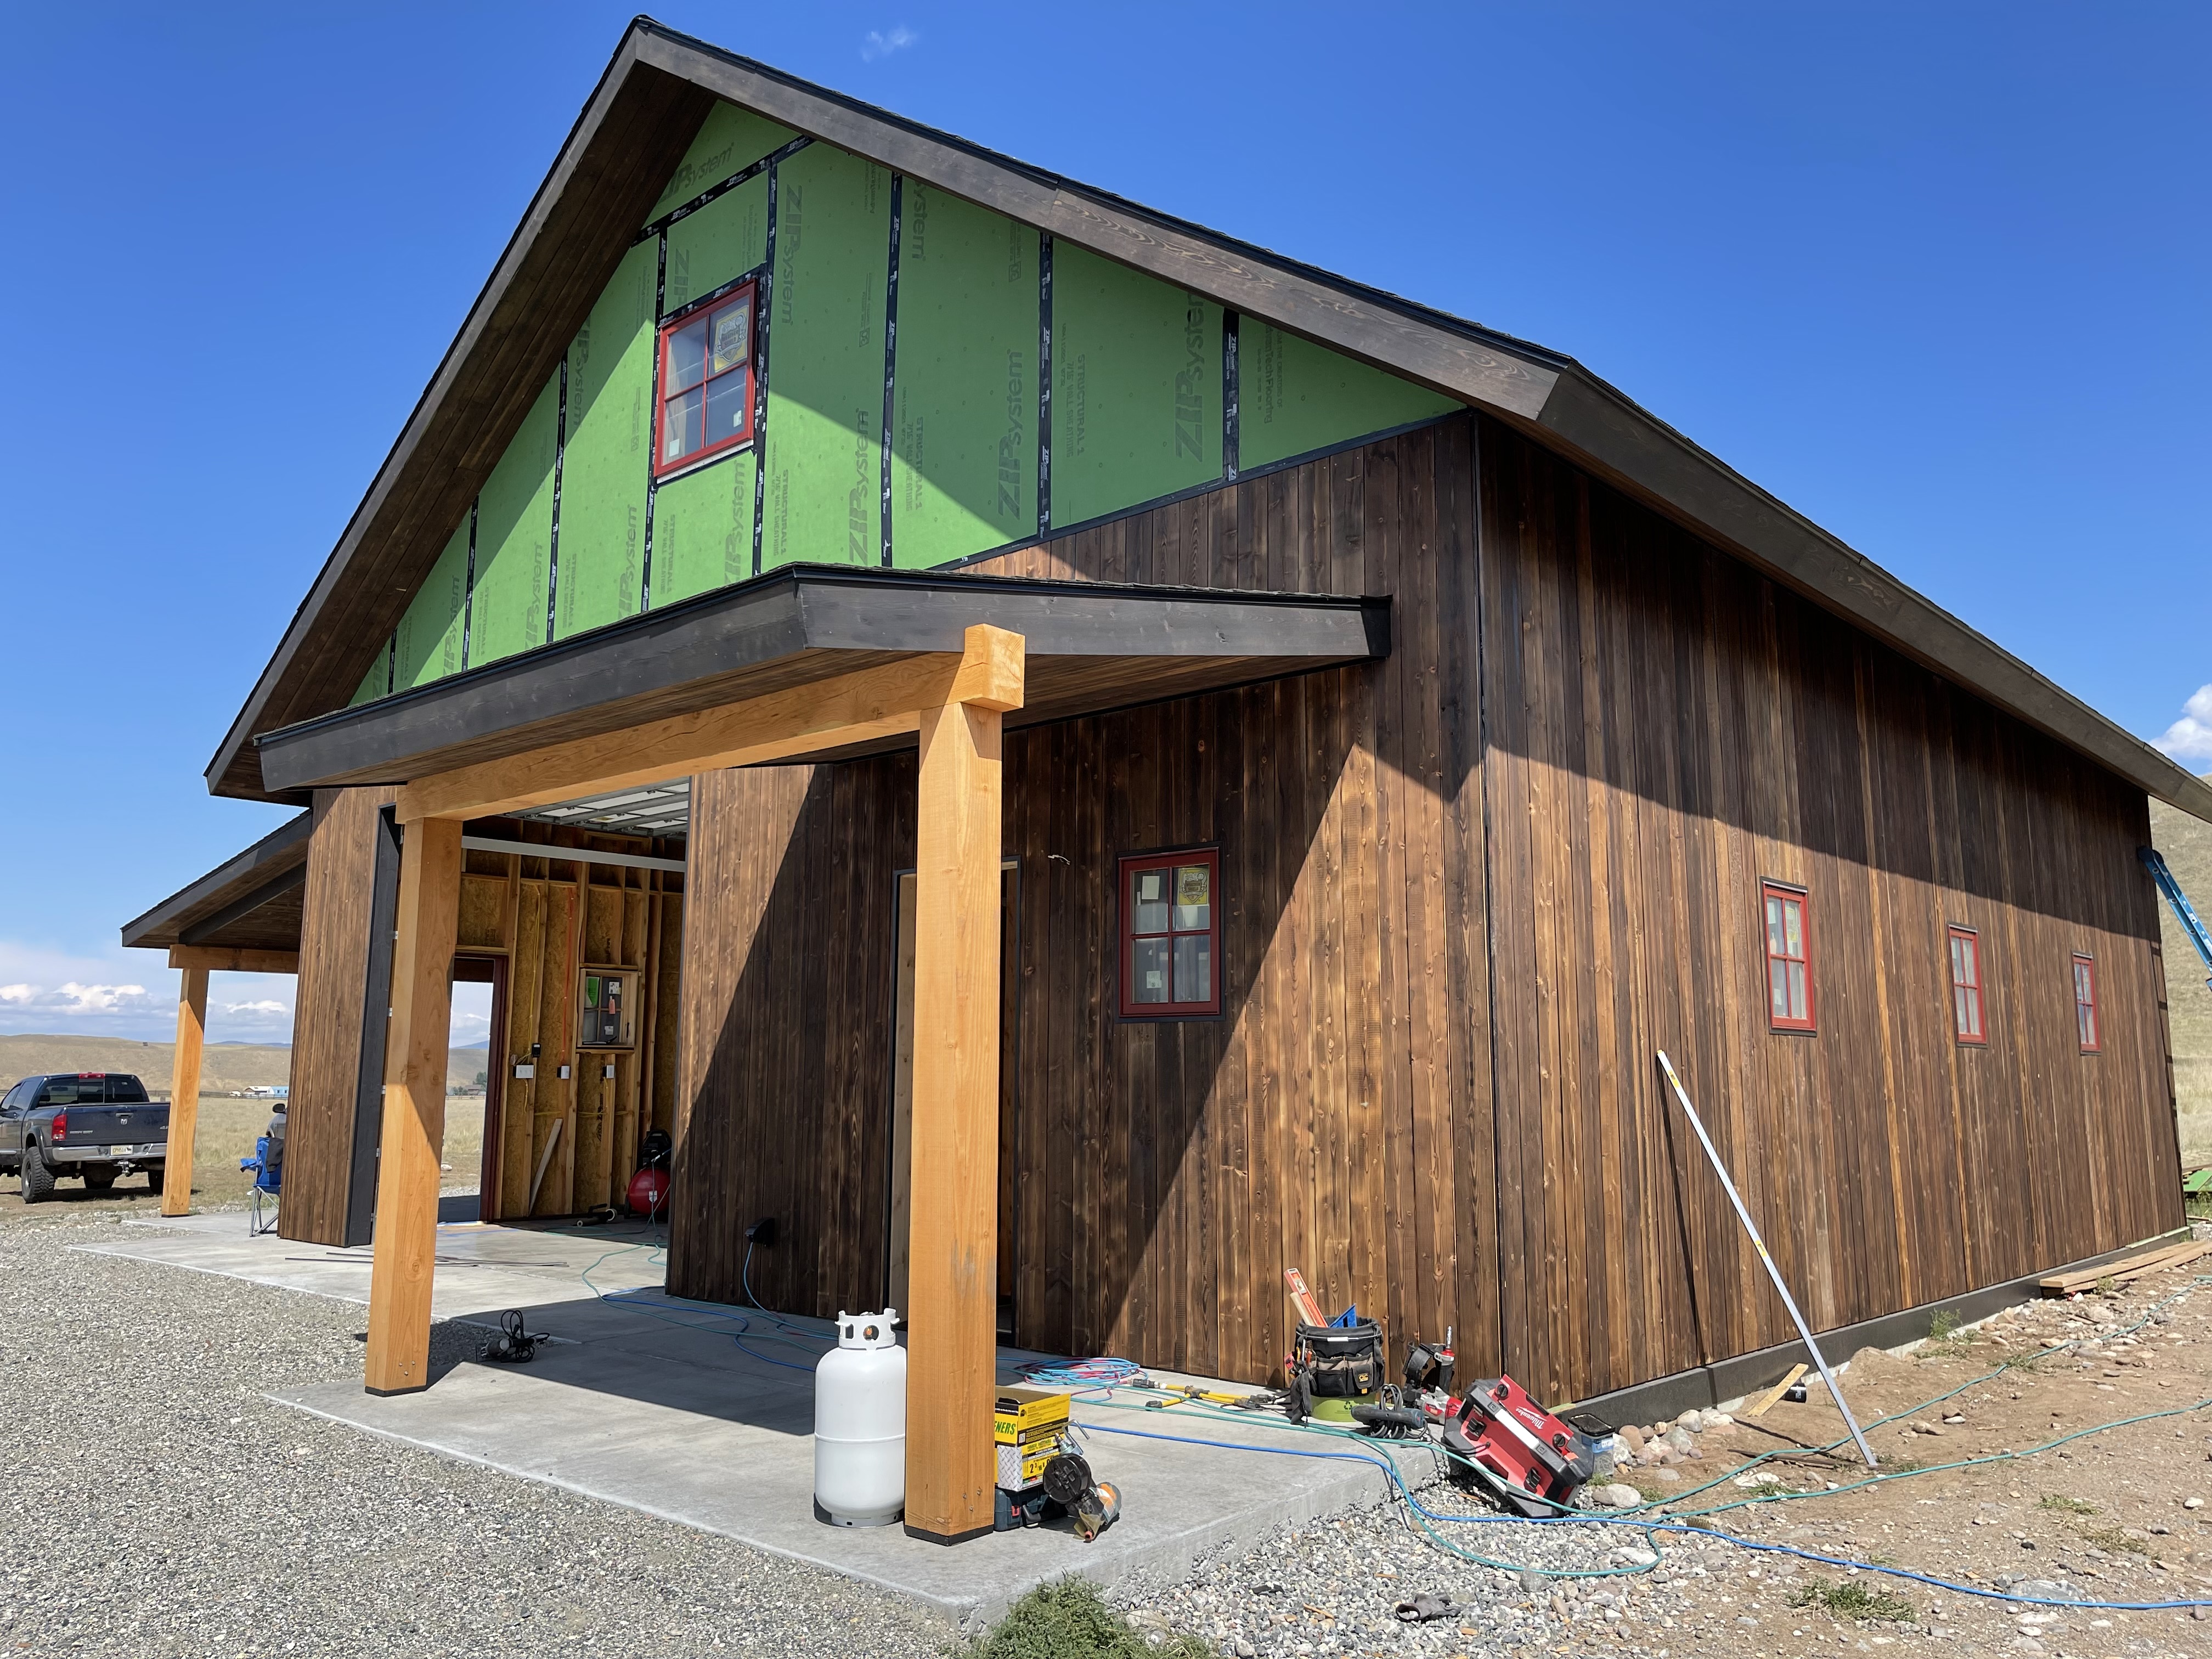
184 1091
952 1283
414 1106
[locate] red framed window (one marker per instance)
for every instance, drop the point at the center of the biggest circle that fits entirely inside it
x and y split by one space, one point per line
1170 935
1788 957
706 381
2085 1005
1966 985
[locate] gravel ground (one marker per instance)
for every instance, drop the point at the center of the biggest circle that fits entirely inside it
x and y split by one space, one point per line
2112 1516
154 1504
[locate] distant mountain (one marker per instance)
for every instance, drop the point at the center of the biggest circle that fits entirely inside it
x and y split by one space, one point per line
2187 844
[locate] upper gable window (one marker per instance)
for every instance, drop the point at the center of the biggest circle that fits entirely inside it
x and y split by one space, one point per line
705 380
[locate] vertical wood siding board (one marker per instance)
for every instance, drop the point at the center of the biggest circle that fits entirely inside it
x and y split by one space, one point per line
1474 1298
1339 479
1471 1296
1421 540
1946 819
1230 1090
1324 889
1295 938
1371 501
1891 1288
1550 1133
1059 1154
1504 557
1268 1338
1611 1216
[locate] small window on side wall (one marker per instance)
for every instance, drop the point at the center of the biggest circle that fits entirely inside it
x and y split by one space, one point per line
2086 1026
1967 986
706 381
1788 957
1170 935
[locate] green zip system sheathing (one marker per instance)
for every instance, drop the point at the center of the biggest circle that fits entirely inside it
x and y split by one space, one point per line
1138 407
963 456
722 241
825 362
1136 387
702 530
1295 397
729 141
514 540
428 645
609 444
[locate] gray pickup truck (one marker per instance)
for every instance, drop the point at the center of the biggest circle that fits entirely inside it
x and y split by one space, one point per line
95 1126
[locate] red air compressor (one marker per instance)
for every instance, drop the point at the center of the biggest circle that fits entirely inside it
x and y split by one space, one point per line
1524 1446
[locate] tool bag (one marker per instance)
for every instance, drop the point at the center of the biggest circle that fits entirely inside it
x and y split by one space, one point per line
1526 1448
1335 1362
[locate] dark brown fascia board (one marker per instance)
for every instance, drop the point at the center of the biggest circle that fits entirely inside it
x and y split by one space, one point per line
261 865
804 622
1544 393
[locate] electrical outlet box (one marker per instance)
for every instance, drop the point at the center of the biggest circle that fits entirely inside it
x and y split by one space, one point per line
607 1071
525 1069
564 1073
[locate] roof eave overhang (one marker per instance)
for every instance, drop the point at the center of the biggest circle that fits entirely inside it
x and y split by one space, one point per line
232 888
1091 646
1546 395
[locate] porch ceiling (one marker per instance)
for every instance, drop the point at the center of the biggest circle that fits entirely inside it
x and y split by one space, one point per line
1090 647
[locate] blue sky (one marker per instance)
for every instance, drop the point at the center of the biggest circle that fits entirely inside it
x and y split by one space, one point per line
1935 275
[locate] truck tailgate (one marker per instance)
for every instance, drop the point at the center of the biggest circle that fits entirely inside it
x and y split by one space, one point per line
138 1125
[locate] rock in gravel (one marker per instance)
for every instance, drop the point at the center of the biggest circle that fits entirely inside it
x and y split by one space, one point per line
1680 1440
1632 1438
1694 1420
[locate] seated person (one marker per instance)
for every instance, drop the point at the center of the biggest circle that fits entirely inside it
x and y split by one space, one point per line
276 1133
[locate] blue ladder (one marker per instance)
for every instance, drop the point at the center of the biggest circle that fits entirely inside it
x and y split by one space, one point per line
2192 923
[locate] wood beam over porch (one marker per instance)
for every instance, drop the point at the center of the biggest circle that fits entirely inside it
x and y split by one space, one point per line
956 704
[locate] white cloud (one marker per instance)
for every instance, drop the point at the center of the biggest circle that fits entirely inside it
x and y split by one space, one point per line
878 45
2190 738
72 998
127 993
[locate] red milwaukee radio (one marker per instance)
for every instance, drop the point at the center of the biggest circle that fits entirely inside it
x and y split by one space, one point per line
1528 1448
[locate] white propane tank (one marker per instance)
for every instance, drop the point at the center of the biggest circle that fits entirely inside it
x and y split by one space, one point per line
859 1424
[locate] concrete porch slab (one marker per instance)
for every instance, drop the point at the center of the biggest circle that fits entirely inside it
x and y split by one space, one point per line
703 1415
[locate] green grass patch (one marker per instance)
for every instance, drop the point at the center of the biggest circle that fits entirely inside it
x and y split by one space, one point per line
1069 1620
2111 1538
2064 1505
1897 1465
1851 1600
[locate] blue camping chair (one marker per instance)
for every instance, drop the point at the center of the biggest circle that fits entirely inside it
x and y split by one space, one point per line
267 1181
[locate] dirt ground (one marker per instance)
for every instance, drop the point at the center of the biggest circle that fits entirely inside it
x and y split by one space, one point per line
226 1132
2080 1513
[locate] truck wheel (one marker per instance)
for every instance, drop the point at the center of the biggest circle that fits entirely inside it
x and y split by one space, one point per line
38 1180
100 1183
153 1182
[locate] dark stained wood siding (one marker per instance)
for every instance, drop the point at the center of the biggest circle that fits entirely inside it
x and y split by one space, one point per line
1509 862
1666 729
783 1043
327 1014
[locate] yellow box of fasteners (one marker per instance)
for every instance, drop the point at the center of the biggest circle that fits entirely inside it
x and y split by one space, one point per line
1024 1415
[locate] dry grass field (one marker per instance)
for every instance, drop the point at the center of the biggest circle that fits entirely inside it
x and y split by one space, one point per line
2187 845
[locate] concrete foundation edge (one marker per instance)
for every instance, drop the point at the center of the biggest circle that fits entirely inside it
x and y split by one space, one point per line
1703 1387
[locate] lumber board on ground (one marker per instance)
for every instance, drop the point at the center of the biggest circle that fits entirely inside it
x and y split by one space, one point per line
2126 1270
1766 1401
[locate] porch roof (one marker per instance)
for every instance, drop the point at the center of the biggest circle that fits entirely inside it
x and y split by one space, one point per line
250 901
1090 647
